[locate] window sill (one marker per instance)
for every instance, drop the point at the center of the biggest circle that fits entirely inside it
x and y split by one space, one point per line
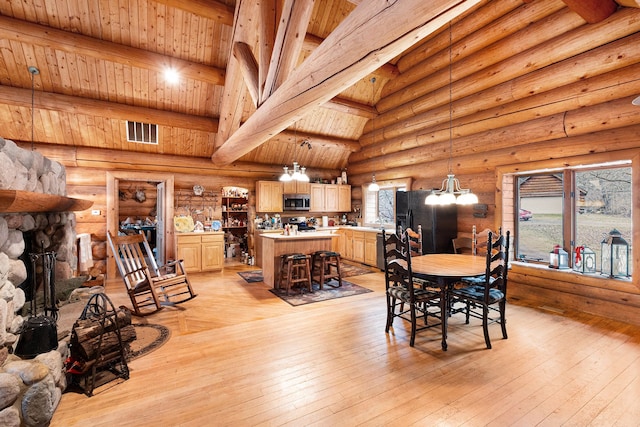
568 275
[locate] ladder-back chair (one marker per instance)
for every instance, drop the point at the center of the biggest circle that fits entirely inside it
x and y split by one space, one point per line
487 300
148 285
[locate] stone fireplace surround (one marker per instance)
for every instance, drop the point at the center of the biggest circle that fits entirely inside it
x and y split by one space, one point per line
30 390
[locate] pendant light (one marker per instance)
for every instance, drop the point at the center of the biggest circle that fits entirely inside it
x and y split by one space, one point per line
33 71
374 187
299 172
450 191
636 101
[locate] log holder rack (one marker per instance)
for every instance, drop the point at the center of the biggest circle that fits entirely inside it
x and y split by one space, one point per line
105 367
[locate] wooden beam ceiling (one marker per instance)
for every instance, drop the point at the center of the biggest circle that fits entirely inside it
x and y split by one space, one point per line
24 32
340 61
78 105
213 10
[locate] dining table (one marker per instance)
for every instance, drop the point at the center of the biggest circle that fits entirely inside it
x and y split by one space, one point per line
445 270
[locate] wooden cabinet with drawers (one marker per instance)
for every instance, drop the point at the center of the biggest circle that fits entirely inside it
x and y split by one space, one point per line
201 251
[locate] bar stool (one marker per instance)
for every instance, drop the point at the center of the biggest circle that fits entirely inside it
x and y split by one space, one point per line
294 268
326 266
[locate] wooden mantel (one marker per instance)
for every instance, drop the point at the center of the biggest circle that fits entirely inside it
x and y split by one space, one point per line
14 201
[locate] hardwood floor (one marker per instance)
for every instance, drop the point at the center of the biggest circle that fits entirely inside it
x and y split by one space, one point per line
238 355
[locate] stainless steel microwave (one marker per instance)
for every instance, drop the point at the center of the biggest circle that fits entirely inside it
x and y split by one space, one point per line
296 202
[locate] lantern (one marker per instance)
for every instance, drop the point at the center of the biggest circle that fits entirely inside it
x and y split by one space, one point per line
584 260
558 258
615 255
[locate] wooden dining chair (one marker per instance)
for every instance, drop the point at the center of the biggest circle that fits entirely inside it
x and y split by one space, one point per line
405 299
487 300
463 245
415 240
149 286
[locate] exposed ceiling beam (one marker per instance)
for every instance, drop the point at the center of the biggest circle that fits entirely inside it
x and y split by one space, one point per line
210 9
592 11
25 32
292 27
249 69
76 105
235 91
386 71
320 141
629 3
350 107
340 61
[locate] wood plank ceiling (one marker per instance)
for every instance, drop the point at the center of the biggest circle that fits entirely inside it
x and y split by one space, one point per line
101 63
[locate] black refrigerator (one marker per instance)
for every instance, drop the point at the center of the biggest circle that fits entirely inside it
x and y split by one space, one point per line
439 223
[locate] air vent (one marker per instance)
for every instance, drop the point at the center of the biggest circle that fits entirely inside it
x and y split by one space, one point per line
143 133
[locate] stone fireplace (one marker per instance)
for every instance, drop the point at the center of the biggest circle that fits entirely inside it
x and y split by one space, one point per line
35 216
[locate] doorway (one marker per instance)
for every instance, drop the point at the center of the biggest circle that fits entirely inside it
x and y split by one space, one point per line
164 235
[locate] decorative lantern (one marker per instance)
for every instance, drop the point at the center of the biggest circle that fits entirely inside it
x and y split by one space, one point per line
558 258
615 255
584 260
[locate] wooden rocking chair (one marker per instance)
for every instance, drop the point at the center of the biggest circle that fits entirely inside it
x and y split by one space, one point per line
149 286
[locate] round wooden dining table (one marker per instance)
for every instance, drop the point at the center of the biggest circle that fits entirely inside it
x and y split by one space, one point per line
445 269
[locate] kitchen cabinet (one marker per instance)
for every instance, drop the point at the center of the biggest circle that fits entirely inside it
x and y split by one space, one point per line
346 243
344 198
358 246
201 251
370 248
269 196
330 198
296 187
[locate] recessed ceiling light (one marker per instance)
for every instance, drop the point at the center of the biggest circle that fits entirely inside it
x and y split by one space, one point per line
171 75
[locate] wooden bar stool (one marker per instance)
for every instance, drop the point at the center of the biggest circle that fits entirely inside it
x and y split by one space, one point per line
294 268
326 266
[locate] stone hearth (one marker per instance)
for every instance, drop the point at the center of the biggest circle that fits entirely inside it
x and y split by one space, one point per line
30 389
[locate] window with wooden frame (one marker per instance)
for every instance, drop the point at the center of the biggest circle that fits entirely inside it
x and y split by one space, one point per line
379 207
575 206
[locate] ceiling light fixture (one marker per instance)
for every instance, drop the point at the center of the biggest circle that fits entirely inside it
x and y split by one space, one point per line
374 185
450 191
636 101
171 75
33 71
299 172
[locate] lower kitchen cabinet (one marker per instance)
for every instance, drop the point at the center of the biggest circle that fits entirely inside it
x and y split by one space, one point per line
201 251
357 245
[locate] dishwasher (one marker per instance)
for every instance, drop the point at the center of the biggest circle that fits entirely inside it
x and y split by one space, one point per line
379 251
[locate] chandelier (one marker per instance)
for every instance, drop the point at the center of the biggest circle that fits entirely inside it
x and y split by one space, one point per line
450 191
298 173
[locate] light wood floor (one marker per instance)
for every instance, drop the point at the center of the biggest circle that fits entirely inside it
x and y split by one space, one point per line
240 356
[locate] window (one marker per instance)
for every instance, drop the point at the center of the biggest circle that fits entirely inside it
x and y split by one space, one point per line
540 219
380 206
145 133
572 207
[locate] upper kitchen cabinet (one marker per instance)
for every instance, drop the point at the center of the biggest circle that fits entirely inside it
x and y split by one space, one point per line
269 196
330 198
296 187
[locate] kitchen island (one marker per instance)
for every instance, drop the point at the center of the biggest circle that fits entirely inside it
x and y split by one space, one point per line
274 245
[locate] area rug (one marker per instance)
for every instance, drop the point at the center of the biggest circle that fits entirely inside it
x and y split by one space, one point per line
149 337
347 270
295 298
251 276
